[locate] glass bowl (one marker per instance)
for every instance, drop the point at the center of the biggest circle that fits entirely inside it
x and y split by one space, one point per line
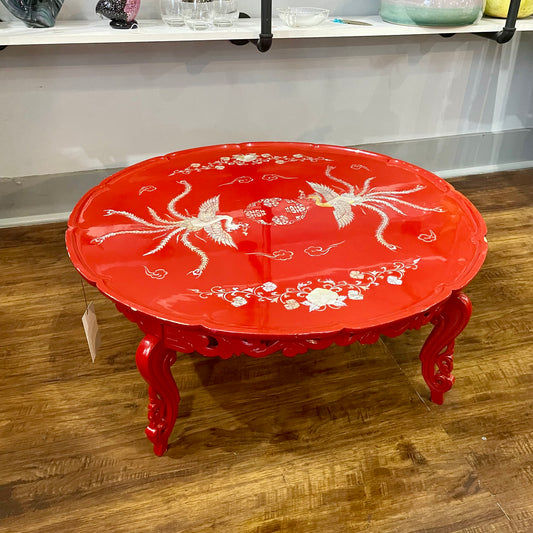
432 12
302 17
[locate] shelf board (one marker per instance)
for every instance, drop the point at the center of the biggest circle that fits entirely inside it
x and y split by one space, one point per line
99 31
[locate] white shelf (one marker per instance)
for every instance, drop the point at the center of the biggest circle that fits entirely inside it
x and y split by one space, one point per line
99 31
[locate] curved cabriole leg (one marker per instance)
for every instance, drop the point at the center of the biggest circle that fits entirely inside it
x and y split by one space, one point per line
437 353
154 362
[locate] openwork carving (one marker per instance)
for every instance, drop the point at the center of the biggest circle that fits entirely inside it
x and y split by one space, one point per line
213 344
156 354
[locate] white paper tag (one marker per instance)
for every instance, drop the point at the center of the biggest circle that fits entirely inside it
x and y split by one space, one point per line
90 325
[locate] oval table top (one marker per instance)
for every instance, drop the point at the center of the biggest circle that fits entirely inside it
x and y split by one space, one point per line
276 239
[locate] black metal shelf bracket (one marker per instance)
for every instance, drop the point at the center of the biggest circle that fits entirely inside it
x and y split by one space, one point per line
264 42
241 42
2 47
505 34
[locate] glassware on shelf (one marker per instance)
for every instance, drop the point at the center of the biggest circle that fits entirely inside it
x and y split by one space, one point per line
432 12
35 13
302 17
172 12
225 13
198 14
500 8
122 13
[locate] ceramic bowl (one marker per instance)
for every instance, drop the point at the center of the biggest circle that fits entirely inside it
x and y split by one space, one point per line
302 17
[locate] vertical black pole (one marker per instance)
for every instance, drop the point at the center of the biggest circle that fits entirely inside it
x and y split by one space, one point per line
265 37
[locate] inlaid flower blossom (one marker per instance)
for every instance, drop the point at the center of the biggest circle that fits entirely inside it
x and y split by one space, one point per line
291 304
320 297
355 295
394 280
239 301
269 286
245 157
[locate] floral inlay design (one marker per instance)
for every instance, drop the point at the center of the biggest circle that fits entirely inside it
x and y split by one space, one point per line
243 159
317 295
373 199
175 225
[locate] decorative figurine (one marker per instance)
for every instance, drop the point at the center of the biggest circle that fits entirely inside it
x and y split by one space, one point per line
35 13
122 13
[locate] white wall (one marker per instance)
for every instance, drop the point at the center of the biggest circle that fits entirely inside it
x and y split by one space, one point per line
74 108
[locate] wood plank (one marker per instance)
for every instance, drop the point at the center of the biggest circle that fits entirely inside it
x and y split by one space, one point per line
342 439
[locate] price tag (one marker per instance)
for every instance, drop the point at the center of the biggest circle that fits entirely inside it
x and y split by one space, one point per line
90 325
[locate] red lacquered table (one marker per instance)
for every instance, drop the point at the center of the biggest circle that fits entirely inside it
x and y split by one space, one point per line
264 247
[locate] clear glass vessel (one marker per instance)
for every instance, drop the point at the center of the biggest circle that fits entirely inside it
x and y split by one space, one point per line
432 12
198 14
172 12
302 17
225 13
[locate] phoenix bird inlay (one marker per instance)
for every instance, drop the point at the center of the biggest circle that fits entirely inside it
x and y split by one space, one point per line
373 199
179 226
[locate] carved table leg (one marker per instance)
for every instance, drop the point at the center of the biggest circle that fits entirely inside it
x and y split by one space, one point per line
437 353
154 362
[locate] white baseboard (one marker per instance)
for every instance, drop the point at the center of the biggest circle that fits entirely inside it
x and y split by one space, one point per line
34 200
456 155
483 169
33 220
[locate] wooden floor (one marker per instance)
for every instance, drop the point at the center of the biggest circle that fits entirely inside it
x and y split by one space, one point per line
343 440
